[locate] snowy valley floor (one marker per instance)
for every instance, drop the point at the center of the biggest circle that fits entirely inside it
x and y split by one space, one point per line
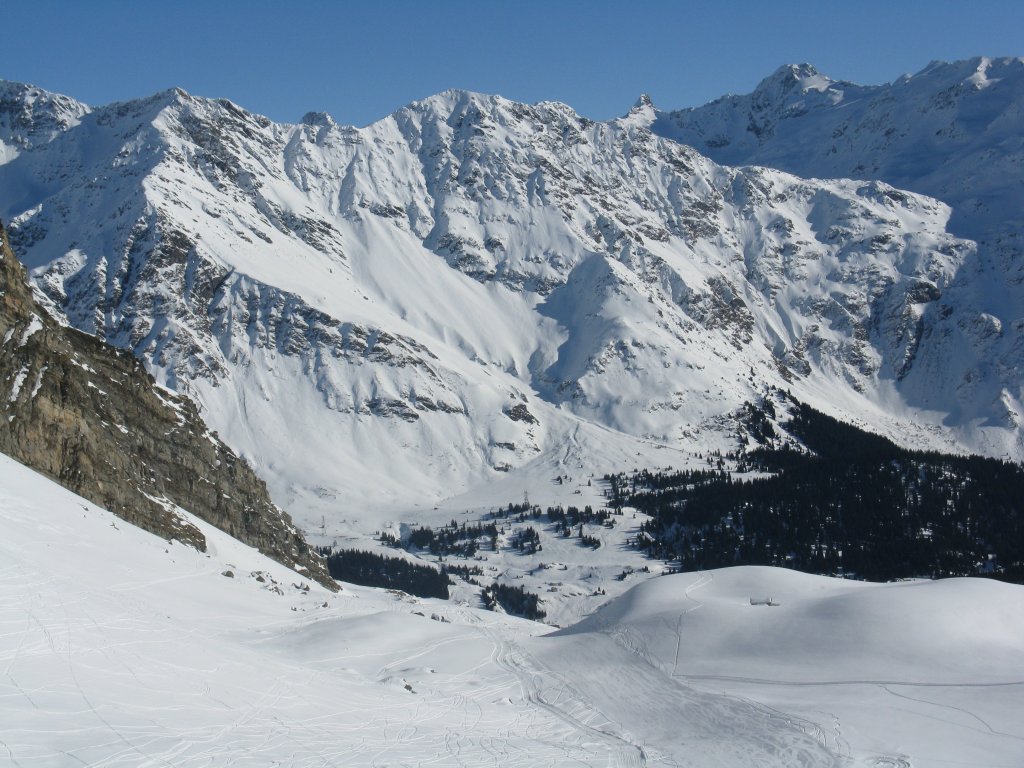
120 649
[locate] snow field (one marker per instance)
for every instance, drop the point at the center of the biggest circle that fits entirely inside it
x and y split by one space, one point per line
908 673
118 648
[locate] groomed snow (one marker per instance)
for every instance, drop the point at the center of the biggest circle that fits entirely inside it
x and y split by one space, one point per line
903 674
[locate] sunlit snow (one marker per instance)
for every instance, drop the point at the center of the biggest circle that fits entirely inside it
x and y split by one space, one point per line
119 648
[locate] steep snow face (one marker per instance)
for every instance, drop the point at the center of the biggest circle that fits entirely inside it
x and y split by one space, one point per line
951 131
396 313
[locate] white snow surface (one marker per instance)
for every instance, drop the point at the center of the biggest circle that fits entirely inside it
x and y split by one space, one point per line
475 295
902 674
118 648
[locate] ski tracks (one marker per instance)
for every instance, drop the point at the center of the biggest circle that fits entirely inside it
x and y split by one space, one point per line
703 579
567 705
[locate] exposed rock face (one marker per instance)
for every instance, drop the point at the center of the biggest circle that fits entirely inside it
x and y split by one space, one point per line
90 417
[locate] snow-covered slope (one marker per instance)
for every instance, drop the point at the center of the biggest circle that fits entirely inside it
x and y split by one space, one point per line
400 313
118 648
901 674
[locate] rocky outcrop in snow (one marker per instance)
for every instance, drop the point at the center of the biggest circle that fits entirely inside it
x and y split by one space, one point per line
91 418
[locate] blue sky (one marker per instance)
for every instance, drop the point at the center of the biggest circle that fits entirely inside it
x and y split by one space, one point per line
361 61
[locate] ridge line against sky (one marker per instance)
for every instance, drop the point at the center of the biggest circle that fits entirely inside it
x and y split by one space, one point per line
361 61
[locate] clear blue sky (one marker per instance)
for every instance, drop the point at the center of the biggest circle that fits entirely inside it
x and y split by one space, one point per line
360 61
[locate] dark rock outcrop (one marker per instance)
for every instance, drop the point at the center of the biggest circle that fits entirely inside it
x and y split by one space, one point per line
90 417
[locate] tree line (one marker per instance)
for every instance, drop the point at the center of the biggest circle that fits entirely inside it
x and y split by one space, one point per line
848 502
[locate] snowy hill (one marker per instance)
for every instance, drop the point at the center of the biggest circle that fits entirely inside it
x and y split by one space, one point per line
901 674
473 290
119 648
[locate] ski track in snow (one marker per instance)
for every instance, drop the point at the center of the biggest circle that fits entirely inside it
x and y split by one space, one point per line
967 712
566 704
702 580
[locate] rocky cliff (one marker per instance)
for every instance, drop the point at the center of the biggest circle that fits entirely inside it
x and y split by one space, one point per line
90 417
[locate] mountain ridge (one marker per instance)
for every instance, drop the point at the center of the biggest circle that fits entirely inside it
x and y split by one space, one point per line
740 129
414 282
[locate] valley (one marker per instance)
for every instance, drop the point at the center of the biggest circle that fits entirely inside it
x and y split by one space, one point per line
491 434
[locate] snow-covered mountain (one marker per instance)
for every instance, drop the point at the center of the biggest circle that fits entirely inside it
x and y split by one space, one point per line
473 290
953 131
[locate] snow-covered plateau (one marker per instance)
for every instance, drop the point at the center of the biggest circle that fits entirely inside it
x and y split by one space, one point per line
119 648
474 295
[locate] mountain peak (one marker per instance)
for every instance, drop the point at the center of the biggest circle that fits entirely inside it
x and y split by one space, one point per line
28 92
318 120
168 97
642 104
790 77
456 96
797 71
979 72
454 101
173 95
30 116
